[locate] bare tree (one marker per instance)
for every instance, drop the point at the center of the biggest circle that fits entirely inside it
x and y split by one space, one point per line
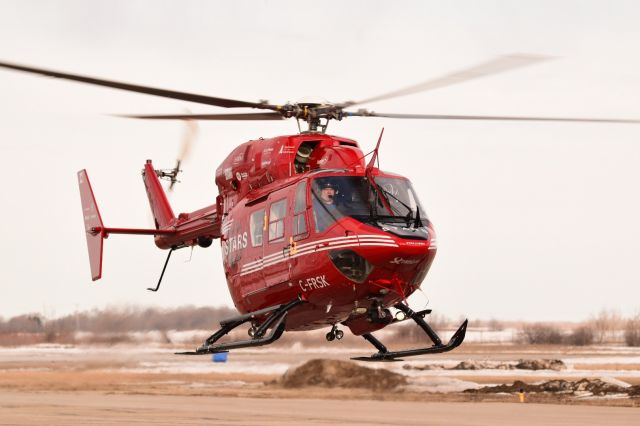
581 336
495 325
605 324
540 334
632 331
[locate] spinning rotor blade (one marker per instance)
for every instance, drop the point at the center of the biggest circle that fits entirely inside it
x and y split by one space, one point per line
190 134
191 97
234 117
494 66
489 117
173 179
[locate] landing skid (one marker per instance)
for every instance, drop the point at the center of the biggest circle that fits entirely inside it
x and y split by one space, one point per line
275 321
438 347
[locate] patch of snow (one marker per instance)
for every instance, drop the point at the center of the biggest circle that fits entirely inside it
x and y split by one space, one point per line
541 374
489 336
187 336
590 396
438 384
206 366
219 384
41 348
603 360
614 381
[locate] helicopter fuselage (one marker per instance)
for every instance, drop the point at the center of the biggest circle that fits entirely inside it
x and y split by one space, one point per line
280 240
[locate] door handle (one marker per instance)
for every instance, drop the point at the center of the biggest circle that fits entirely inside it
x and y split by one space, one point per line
292 247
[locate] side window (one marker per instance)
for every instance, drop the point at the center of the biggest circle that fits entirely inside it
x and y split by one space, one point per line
276 219
256 226
299 216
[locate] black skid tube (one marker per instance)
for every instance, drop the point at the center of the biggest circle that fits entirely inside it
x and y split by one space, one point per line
418 317
276 321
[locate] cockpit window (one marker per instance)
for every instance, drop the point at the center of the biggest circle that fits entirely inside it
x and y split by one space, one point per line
389 200
400 196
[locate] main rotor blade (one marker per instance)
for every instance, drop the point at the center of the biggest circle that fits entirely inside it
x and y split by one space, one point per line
494 66
191 97
233 117
490 117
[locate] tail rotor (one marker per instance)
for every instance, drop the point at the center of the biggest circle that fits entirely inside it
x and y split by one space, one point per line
189 136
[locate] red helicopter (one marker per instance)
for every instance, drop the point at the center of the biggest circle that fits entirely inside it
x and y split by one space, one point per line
312 235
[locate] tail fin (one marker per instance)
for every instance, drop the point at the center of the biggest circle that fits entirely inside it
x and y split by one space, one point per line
92 224
162 212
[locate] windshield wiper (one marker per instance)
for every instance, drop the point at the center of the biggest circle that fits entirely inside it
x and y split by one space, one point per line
391 218
409 216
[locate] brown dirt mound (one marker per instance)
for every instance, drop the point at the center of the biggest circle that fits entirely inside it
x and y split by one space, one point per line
478 365
425 367
541 364
532 364
596 387
344 374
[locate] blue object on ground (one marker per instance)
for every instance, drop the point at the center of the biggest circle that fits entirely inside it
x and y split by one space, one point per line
220 357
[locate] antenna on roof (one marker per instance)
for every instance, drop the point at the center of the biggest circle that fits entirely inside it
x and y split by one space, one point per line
374 157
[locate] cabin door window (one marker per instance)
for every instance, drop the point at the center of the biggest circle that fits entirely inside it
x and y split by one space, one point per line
256 226
275 256
277 214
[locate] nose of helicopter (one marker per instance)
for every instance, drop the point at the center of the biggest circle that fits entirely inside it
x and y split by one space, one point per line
381 260
405 265
376 265
407 256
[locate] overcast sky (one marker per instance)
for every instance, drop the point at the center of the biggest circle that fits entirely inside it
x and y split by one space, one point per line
534 220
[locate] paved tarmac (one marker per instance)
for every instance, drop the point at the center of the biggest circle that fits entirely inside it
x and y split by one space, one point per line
96 408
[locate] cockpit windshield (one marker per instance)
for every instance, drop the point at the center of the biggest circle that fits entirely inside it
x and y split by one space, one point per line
387 200
400 197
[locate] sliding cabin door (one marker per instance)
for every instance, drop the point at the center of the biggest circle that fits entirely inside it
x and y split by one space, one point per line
299 213
276 239
251 271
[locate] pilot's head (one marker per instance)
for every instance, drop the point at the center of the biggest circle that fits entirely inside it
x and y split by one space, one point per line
327 192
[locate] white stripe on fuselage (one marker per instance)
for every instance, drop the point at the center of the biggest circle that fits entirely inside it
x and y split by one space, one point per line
317 246
310 250
354 238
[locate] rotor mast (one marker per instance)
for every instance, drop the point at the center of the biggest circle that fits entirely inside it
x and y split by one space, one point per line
316 115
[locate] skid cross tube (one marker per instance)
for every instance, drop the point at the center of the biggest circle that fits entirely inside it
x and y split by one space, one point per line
276 332
418 317
276 321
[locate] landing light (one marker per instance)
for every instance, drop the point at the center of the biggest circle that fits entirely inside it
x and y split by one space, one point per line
400 316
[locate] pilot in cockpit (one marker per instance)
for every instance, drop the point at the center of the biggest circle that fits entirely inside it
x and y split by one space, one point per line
324 206
328 193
